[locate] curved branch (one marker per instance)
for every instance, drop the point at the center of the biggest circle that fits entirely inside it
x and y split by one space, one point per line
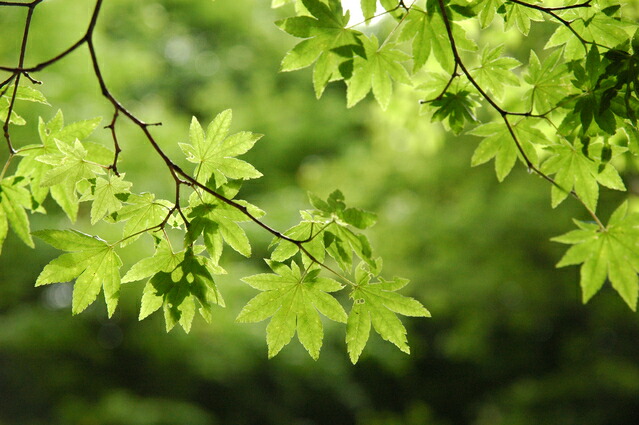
504 114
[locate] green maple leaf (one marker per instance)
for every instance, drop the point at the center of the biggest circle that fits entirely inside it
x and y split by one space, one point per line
549 81
593 25
25 93
293 301
338 239
14 198
163 260
495 70
487 9
573 169
141 212
212 221
71 164
376 71
334 208
498 143
520 16
90 260
327 43
179 289
609 253
429 35
456 106
104 194
378 304
214 152
217 221
309 230
35 170
369 7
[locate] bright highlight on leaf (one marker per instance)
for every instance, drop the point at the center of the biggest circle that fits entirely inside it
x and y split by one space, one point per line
293 299
569 115
214 151
91 261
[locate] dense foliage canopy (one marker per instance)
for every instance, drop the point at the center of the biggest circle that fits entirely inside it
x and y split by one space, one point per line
550 85
568 117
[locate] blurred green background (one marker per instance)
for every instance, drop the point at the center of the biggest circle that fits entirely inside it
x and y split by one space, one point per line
509 341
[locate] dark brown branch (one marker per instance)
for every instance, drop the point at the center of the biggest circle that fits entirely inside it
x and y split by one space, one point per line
568 24
23 51
552 9
116 144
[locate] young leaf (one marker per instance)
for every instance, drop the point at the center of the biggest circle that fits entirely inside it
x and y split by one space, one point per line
163 260
34 170
495 70
293 301
141 212
214 152
520 16
378 304
549 81
209 219
428 33
376 71
70 164
455 106
91 261
308 231
105 196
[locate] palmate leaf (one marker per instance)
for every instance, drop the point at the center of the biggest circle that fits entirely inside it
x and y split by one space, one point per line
91 261
308 230
14 199
519 16
609 253
35 170
338 239
549 80
376 71
218 222
573 169
293 301
327 43
25 93
429 35
593 25
369 7
163 260
106 195
498 143
486 10
378 304
141 212
180 284
494 71
71 164
214 152
455 106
